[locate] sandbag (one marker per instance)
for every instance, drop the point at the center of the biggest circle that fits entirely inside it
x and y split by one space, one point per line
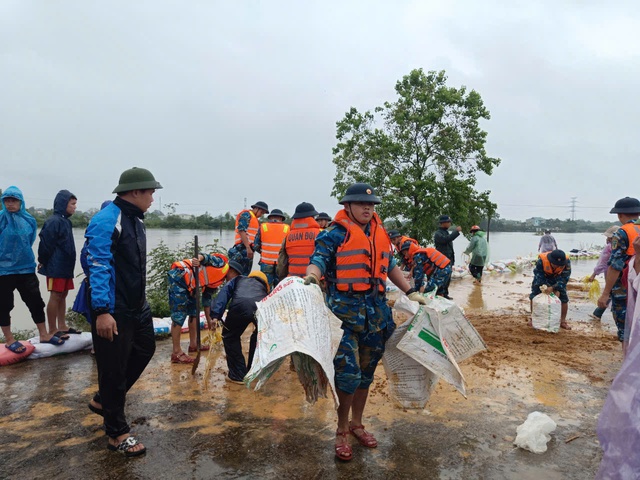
7 357
545 314
161 326
294 320
76 343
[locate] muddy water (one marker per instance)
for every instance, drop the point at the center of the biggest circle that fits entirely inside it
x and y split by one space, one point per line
230 432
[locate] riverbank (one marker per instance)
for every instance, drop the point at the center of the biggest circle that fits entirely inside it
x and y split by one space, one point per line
230 431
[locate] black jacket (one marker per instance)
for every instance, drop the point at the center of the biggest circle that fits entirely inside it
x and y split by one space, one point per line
57 248
443 241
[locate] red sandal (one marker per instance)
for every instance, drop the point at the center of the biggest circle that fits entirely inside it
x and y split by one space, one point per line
343 451
366 439
203 348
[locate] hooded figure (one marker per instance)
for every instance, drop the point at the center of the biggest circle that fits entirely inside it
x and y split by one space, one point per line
57 249
17 234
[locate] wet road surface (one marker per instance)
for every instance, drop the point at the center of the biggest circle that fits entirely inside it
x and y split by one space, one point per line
228 431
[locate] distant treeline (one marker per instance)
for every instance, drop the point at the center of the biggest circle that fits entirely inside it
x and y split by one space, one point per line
553 224
157 219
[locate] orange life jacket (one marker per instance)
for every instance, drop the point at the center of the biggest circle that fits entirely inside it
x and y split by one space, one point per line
271 237
632 230
548 267
404 239
435 259
362 261
300 244
254 225
209 276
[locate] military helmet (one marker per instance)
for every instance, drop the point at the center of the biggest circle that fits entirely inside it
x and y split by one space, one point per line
558 257
261 205
136 179
444 219
304 210
276 212
406 245
626 205
360 192
394 234
323 216
236 266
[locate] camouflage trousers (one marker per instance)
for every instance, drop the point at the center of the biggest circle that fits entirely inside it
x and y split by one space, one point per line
619 307
270 272
358 356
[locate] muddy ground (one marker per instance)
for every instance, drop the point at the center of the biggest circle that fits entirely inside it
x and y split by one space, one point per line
230 432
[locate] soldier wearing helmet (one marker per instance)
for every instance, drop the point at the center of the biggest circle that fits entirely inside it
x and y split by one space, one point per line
268 241
615 289
354 254
553 269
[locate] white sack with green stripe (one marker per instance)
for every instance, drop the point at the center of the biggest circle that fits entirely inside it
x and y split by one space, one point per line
439 337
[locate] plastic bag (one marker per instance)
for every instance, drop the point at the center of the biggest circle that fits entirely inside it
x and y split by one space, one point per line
533 434
546 312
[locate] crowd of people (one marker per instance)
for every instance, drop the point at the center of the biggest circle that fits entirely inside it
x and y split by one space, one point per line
350 256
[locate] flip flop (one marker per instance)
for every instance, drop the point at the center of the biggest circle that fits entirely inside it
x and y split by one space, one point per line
16 347
73 331
57 341
97 411
124 447
62 335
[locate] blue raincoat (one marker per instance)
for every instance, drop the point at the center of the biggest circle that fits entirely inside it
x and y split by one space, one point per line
17 234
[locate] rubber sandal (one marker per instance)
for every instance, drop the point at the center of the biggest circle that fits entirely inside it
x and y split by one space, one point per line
343 451
203 348
96 410
365 439
62 335
57 341
16 347
125 446
182 358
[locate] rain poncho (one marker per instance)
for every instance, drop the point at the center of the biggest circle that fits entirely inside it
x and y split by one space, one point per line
17 234
479 249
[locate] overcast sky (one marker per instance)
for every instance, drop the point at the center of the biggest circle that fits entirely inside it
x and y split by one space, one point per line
227 100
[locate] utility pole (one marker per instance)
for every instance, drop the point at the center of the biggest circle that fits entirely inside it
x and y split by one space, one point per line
573 209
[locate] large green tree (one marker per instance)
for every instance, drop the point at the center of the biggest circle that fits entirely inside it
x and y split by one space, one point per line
421 153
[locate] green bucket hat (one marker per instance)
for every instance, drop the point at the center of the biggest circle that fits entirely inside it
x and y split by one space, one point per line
136 179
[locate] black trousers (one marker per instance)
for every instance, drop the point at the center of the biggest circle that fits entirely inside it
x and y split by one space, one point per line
28 287
476 271
120 363
234 328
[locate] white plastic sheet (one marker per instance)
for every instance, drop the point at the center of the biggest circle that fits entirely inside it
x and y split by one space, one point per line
533 434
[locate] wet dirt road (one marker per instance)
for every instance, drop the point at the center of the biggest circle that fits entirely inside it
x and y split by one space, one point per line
230 432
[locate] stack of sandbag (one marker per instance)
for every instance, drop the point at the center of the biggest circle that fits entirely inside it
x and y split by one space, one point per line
428 347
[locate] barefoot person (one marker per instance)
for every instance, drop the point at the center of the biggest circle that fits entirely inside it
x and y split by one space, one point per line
553 269
18 268
355 256
122 328
57 259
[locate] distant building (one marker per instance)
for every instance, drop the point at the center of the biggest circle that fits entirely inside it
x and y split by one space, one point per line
535 221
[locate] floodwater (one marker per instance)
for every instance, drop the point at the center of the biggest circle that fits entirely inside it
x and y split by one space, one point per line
228 431
503 246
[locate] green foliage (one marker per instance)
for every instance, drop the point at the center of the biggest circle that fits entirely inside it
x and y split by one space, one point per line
421 153
159 262
77 321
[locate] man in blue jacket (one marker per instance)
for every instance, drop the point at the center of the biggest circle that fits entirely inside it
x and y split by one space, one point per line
57 259
122 328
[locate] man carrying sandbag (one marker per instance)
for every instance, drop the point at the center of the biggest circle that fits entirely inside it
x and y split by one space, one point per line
354 254
553 270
